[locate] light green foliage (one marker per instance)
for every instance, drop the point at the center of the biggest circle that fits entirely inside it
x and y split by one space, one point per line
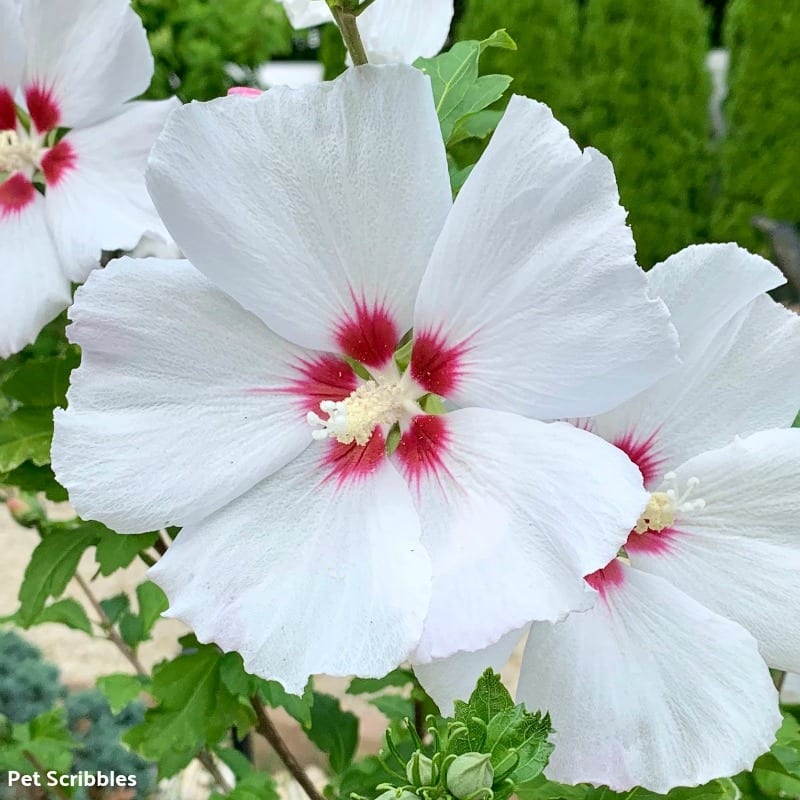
760 158
546 33
462 95
645 105
194 40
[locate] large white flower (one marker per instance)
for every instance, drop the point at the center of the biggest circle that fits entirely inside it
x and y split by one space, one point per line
72 150
326 213
664 682
391 30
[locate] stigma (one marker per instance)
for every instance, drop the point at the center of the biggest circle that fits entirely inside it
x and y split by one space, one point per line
355 418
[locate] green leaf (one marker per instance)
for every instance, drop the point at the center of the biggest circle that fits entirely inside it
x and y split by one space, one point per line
114 607
489 699
45 737
152 604
67 612
29 477
274 695
195 708
131 629
334 731
499 39
476 126
394 706
25 436
254 786
116 550
396 678
42 381
51 567
121 689
458 91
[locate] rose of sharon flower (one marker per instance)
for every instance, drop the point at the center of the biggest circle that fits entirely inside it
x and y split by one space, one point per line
220 396
391 30
72 150
664 683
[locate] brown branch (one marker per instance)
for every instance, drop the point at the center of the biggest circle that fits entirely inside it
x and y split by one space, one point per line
268 730
207 760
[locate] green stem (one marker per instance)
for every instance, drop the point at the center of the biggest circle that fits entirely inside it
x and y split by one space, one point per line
346 21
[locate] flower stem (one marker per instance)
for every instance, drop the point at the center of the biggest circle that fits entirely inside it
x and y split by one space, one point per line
268 730
346 22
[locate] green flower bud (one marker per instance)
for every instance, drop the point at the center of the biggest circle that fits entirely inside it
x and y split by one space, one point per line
397 794
419 770
470 775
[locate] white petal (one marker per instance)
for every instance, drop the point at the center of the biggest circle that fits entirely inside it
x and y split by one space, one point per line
649 689
87 57
404 30
514 513
305 13
743 380
316 208
533 293
12 54
34 289
102 203
740 555
305 575
175 409
449 679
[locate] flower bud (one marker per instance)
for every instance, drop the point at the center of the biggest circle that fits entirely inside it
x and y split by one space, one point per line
419 770
469 775
397 794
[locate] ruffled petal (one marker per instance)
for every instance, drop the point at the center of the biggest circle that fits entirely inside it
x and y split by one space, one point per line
85 59
743 380
404 30
449 679
648 689
98 200
740 554
305 574
12 60
533 302
34 287
182 402
514 513
326 240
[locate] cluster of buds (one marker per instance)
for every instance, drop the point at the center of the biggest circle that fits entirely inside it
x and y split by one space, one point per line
468 776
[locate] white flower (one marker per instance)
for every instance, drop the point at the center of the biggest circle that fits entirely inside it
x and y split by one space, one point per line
664 682
391 30
326 213
65 196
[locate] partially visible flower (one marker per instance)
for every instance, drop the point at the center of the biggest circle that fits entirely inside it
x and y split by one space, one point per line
392 30
470 776
419 769
664 683
226 402
72 151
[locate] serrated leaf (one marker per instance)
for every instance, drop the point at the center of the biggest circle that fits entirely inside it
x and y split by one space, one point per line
458 91
194 709
67 612
29 477
117 550
120 689
274 695
51 568
333 730
25 436
397 678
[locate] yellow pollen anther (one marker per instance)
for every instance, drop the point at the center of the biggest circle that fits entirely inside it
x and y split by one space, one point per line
18 153
354 419
659 514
